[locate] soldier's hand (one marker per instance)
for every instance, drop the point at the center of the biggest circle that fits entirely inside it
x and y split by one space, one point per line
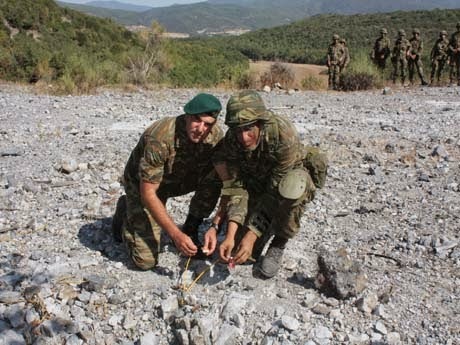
185 244
210 241
225 249
245 248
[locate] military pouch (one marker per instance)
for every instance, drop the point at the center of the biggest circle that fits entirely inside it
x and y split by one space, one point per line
315 162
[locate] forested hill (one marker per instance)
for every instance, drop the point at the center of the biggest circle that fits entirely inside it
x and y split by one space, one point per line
306 41
223 15
42 41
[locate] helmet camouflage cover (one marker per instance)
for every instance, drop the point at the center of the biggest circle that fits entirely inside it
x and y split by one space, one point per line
383 31
443 32
244 108
401 32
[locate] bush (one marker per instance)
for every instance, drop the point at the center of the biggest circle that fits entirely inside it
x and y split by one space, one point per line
246 81
312 82
279 73
362 74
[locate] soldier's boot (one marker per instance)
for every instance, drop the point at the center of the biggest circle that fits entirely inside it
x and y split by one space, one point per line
424 83
190 228
118 219
271 262
259 246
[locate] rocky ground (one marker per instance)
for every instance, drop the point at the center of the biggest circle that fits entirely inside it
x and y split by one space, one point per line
391 200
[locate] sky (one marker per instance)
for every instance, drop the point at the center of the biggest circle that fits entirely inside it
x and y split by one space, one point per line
150 3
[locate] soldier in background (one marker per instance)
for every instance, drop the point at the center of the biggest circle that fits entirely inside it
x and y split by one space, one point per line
346 56
268 179
414 57
454 52
172 158
399 56
439 56
335 54
381 50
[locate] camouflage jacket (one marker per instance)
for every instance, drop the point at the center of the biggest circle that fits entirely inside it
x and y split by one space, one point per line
440 49
164 154
416 47
258 172
402 45
381 48
454 43
335 54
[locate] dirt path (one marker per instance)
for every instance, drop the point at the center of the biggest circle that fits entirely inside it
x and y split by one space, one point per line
300 72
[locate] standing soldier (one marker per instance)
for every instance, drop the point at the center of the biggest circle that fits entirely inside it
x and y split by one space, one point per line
439 56
172 158
381 50
399 56
346 56
335 54
414 56
454 51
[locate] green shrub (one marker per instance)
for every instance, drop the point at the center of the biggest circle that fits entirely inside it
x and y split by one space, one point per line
361 74
312 82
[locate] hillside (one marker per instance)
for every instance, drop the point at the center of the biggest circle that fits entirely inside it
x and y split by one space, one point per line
214 16
306 41
73 52
42 41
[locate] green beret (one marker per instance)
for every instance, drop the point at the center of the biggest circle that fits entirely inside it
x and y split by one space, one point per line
203 103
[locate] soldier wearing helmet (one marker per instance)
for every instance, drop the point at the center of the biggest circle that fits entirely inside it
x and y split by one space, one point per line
399 57
335 55
439 56
414 57
454 52
172 158
266 182
381 50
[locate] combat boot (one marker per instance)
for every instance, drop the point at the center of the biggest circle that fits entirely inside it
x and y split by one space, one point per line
271 262
118 219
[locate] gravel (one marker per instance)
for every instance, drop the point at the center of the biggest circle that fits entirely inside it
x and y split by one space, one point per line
391 200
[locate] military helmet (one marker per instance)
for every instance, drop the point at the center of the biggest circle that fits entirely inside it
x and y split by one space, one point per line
383 31
244 108
443 32
343 40
416 31
335 37
401 32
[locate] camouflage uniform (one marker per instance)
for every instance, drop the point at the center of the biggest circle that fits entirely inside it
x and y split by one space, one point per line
165 155
335 54
414 56
346 56
439 56
381 49
257 200
399 56
454 51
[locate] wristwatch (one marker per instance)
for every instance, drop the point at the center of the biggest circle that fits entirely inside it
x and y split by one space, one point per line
215 226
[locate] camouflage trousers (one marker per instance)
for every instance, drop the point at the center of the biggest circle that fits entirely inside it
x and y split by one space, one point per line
455 68
413 65
141 233
279 217
334 76
399 68
437 65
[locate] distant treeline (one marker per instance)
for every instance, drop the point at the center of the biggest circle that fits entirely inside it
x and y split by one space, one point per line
306 41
